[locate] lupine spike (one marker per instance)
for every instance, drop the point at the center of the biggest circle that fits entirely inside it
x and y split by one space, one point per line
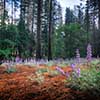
67 74
77 56
78 72
89 53
60 70
73 66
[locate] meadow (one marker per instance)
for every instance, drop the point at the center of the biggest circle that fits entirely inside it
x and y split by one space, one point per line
50 80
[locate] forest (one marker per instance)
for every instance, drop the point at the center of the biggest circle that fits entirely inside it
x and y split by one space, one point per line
48 53
35 29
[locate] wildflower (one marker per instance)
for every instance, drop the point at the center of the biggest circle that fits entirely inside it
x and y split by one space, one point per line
77 56
78 71
73 66
60 70
67 74
17 59
89 53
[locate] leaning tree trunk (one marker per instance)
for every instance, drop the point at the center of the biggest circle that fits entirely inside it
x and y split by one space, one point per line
50 31
38 46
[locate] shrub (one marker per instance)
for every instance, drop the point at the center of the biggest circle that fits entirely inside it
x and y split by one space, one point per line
87 80
11 70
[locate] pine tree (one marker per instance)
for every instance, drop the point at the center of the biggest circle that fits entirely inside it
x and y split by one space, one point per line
87 20
38 46
50 31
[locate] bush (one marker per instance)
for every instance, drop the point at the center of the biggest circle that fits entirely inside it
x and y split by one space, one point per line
88 79
11 70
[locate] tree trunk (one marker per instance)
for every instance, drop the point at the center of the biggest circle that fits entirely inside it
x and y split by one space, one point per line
12 6
94 37
22 15
4 12
38 46
50 31
87 22
33 18
99 14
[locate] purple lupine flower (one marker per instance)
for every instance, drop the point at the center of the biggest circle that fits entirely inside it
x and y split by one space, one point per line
78 71
89 53
60 70
73 66
77 56
17 59
67 74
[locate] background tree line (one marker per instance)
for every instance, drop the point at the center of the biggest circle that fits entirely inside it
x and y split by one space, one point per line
39 30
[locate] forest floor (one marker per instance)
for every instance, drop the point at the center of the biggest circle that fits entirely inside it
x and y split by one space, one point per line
21 85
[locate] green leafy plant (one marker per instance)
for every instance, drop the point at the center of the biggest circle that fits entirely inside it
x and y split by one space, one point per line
39 77
88 79
95 62
11 70
42 70
50 63
63 64
48 70
53 72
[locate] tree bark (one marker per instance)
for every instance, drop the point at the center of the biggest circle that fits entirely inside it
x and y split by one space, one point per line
33 18
99 14
50 31
38 46
12 6
4 12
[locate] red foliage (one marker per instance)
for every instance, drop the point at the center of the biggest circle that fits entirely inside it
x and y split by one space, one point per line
17 86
